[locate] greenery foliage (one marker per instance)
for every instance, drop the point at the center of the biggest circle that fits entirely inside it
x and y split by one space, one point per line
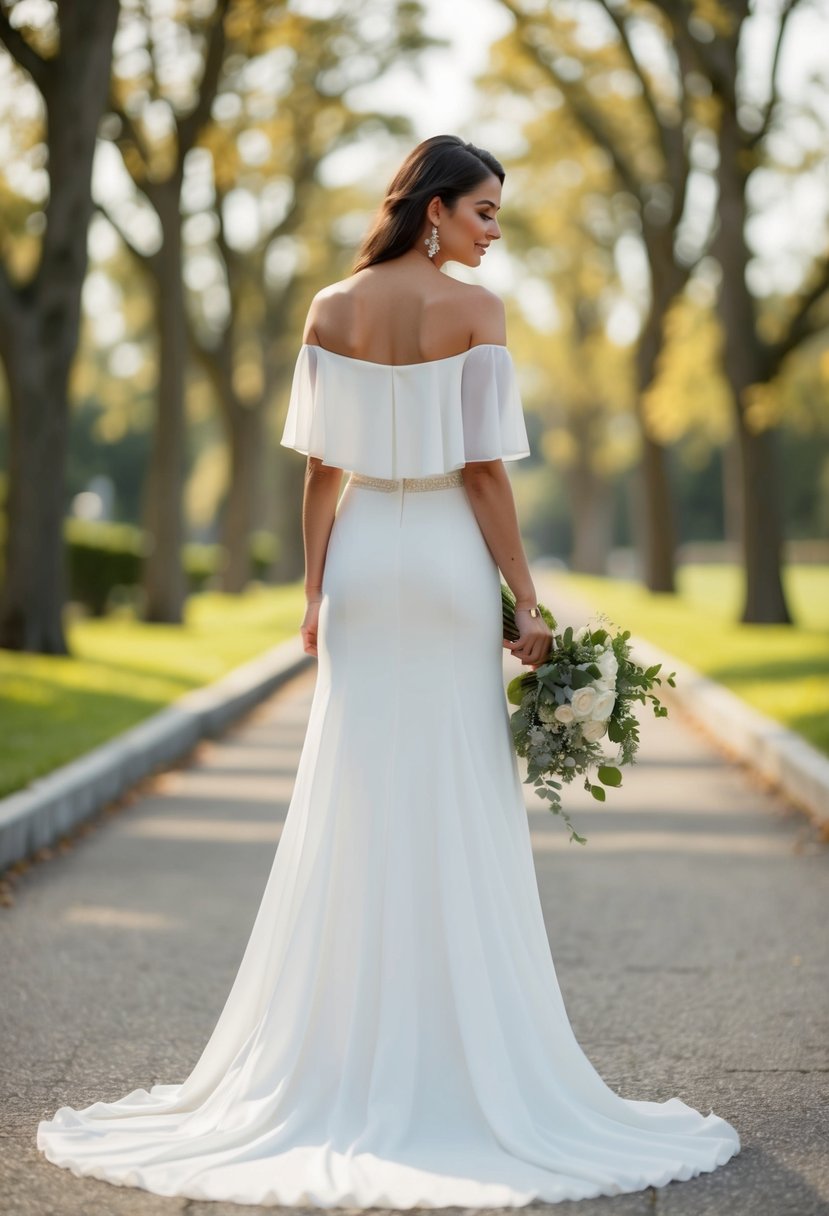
584 690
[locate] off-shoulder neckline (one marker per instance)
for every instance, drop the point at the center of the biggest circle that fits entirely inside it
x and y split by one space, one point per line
399 366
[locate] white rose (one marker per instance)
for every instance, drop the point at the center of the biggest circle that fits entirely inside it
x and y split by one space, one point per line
580 633
603 705
583 701
608 665
593 731
564 714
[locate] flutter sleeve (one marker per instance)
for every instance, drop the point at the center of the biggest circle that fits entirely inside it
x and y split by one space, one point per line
304 423
411 420
491 410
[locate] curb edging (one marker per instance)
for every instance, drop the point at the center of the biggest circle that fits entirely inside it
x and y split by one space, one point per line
50 806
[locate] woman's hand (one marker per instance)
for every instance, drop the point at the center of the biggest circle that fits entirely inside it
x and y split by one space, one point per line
310 624
535 639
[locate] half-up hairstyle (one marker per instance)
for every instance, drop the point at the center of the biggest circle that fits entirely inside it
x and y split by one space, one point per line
442 165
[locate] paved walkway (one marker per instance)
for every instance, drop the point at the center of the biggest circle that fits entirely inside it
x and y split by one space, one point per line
689 939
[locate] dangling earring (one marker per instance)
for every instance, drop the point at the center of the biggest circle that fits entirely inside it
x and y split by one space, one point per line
432 243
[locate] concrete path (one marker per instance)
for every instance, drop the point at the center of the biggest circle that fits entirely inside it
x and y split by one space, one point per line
689 937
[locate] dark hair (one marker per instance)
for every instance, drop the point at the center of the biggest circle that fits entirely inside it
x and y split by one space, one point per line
442 165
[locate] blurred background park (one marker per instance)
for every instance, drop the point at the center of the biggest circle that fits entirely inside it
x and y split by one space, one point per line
179 177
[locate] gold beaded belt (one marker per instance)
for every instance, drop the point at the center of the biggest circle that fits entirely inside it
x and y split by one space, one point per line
441 481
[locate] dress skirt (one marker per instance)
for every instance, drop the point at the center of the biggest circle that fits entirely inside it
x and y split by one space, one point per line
395 1035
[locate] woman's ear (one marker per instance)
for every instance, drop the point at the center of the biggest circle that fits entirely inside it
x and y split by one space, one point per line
433 210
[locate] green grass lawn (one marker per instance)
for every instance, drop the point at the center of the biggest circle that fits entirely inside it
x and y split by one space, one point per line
54 709
781 670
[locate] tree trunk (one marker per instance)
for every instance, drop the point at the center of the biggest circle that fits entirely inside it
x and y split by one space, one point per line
655 523
591 501
245 437
731 492
745 364
40 324
34 583
765 600
164 582
656 526
290 484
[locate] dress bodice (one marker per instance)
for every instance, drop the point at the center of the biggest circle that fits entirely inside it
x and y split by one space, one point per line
405 419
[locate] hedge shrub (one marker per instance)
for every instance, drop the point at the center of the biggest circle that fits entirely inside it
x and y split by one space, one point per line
104 561
100 557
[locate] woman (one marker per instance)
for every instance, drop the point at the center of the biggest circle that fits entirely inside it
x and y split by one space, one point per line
395 1035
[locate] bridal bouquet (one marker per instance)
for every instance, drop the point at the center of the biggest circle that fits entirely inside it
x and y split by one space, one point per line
582 692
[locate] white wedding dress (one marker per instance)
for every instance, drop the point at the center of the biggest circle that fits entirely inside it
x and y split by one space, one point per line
395 1035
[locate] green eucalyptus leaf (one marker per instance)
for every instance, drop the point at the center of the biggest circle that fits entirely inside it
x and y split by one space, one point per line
608 774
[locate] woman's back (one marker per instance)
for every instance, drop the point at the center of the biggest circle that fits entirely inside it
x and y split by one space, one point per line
403 312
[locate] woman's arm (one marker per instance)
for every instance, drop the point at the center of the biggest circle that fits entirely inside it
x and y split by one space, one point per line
319 505
490 494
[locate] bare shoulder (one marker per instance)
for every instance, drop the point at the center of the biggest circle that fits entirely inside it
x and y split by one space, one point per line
483 312
327 306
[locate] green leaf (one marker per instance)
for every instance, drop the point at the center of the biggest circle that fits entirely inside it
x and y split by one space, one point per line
517 687
548 675
598 793
614 732
609 775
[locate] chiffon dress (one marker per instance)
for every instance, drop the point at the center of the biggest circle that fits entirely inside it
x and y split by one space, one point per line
395 1035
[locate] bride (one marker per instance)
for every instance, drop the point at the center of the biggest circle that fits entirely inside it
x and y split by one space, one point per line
395 1035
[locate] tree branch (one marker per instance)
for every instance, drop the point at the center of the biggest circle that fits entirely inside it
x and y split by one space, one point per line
129 131
190 126
155 92
672 139
716 59
800 327
24 55
146 258
581 110
637 69
774 91
8 297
